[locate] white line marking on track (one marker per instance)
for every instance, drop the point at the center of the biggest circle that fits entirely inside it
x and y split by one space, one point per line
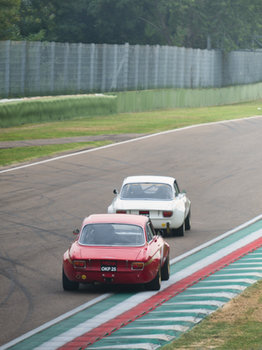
144 346
232 286
245 263
189 311
215 256
145 336
228 295
124 142
255 274
196 302
178 328
243 280
173 319
243 268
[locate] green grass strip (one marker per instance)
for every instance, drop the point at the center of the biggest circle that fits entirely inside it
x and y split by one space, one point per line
21 154
37 110
142 122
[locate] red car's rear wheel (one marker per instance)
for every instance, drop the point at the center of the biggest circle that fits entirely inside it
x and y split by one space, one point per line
155 284
67 284
165 271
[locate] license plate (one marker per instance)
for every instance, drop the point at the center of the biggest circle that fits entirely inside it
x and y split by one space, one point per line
108 268
144 212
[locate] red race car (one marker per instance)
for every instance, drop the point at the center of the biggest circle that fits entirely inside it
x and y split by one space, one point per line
117 249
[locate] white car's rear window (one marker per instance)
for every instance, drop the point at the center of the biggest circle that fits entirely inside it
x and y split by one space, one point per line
112 235
151 191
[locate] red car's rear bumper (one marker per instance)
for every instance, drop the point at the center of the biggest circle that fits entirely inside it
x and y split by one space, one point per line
121 276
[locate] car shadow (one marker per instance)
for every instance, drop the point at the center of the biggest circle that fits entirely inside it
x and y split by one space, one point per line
111 288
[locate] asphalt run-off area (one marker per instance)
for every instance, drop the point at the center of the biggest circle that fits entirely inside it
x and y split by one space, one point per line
201 281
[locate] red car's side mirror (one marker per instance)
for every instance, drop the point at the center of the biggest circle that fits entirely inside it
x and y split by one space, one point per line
76 232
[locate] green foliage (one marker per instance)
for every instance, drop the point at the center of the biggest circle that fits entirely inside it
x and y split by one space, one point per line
71 22
165 21
55 20
9 16
230 24
36 17
118 21
224 24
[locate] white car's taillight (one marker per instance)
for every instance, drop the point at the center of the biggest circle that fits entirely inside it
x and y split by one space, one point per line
167 213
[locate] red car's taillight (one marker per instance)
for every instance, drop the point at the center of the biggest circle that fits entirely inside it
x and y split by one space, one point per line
121 211
137 265
167 213
79 264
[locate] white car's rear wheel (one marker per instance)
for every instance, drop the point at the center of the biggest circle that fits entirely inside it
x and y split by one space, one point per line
180 230
188 221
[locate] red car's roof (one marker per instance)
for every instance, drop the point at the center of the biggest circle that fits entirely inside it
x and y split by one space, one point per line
116 218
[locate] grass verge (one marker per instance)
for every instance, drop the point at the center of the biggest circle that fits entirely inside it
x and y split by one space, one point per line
23 154
45 109
143 122
237 325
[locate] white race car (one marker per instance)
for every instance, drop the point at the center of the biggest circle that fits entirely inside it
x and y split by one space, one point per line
159 198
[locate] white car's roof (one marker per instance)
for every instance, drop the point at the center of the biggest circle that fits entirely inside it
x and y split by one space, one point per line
149 178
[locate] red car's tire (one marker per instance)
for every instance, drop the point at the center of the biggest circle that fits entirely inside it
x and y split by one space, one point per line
67 284
155 284
165 270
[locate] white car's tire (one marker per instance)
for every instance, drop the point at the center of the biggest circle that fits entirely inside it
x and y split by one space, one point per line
181 230
188 221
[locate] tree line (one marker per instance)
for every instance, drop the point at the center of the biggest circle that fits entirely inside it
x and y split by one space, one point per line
222 24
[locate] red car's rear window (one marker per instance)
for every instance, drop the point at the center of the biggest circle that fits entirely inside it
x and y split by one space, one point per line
110 234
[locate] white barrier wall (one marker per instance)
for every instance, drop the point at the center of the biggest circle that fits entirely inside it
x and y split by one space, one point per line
42 68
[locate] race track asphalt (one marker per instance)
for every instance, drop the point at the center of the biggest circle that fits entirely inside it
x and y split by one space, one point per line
219 165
